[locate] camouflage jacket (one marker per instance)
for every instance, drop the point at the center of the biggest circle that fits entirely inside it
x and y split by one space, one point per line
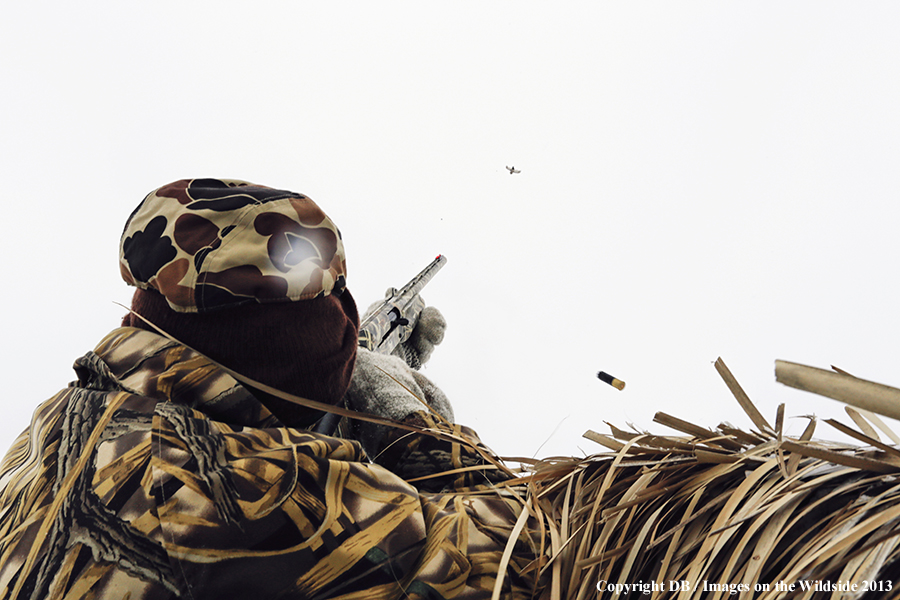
157 475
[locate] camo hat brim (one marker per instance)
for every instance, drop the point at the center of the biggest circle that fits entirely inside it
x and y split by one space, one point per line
212 243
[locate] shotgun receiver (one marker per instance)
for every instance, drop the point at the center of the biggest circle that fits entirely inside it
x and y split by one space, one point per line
390 324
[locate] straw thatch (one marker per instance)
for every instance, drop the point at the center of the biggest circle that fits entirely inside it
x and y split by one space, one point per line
733 513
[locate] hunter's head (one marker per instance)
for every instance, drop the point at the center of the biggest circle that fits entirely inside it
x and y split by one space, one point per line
252 277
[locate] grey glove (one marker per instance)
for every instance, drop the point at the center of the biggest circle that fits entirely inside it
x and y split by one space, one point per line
386 386
428 333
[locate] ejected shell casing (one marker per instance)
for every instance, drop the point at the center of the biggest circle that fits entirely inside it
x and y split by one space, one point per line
606 377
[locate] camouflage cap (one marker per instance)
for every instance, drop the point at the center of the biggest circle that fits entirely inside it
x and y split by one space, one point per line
211 243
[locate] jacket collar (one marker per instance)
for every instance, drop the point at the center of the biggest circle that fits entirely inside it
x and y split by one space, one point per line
147 364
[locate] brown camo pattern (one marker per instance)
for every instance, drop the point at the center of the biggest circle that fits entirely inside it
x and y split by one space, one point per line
157 476
209 243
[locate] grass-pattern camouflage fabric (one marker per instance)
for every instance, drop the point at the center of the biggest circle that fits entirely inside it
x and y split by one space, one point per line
209 243
156 475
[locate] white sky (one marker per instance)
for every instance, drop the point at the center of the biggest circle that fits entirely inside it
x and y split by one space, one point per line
699 179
